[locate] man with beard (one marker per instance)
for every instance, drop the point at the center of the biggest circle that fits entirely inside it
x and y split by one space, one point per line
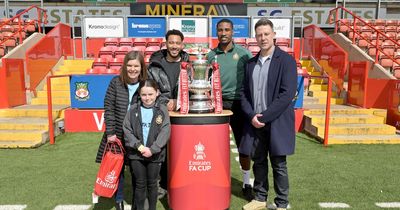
164 68
232 59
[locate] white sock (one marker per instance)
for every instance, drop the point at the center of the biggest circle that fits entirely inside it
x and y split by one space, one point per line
246 176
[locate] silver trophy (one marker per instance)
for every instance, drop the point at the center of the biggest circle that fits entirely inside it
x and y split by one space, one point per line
200 87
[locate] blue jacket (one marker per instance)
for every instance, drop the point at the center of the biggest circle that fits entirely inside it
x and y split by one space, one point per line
282 84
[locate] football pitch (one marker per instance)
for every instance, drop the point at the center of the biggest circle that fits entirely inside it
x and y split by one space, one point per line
55 176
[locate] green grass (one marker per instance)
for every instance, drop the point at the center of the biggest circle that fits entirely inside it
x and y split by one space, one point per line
64 173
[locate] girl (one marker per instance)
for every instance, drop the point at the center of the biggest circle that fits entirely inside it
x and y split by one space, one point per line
147 130
119 96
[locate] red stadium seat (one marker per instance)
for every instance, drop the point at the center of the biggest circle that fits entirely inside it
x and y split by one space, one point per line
147 59
240 41
396 71
154 42
30 25
107 52
116 63
100 62
111 42
386 62
380 22
254 49
289 50
120 52
391 22
125 42
2 51
282 42
251 42
388 47
151 49
344 25
7 28
139 48
140 42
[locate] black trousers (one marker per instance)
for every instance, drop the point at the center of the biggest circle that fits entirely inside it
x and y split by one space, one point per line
260 170
146 176
236 120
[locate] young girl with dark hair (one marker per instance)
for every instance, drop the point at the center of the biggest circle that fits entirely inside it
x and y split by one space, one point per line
147 130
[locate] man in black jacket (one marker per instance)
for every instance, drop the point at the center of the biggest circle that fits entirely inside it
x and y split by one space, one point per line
165 66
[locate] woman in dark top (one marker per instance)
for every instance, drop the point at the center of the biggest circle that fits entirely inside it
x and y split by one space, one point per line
119 96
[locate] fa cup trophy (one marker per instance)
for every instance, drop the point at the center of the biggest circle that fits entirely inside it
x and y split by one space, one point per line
205 88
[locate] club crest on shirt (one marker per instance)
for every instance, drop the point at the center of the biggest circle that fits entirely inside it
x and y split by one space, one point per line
159 119
236 56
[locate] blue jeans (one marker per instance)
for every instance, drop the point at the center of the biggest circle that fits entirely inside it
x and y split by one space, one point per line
119 195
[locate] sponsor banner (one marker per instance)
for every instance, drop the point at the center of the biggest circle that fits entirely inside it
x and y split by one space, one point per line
88 91
240 26
69 14
269 1
188 9
190 27
192 1
311 15
88 120
281 26
104 27
146 26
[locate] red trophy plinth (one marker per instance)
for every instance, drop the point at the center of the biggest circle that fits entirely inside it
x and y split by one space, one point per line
199 162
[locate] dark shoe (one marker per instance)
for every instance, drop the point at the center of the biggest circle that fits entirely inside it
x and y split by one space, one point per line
119 205
248 192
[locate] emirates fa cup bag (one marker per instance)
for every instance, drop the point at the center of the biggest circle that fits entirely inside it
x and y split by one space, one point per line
110 168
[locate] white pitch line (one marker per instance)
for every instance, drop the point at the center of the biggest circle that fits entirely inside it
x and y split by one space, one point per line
388 204
72 207
237 159
231 142
12 207
333 205
234 150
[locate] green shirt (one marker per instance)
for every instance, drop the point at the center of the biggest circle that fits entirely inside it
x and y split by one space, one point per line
231 67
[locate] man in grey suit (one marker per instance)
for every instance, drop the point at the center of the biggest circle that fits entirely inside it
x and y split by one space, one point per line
269 89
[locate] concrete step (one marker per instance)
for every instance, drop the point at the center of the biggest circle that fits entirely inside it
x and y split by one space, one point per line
351 129
318 81
315 119
78 62
350 111
55 100
318 87
60 80
320 93
57 87
34 135
20 144
316 73
54 94
69 73
322 100
33 111
364 139
305 63
23 123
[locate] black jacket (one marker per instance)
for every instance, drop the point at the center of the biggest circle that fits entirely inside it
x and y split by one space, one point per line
157 72
158 136
116 103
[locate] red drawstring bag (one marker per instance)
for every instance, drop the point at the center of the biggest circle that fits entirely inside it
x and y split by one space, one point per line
110 168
